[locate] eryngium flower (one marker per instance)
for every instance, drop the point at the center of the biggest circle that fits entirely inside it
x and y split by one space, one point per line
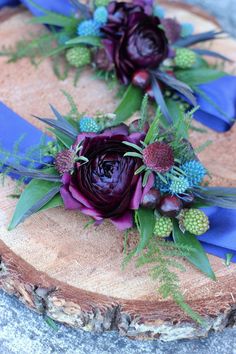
133 39
159 157
106 186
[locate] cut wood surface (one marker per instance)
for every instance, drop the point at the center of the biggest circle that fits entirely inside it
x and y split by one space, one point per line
74 275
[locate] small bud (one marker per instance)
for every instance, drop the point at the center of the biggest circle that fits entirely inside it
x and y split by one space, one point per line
163 227
141 79
195 221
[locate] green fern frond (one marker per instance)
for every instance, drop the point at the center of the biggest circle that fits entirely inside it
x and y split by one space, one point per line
34 48
163 256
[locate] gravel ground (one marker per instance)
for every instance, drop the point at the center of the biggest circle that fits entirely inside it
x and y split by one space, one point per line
24 332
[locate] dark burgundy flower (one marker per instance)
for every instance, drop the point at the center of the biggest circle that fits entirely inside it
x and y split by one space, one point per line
106 187
133 39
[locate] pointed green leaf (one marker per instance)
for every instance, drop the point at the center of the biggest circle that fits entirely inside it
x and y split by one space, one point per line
63 138
154 128
145 221
198 76
53 19
56 201
130 103
133 154
91 40
198 256
38 195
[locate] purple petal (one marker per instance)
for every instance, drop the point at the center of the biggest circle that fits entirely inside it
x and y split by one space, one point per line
109 48
69 202
149 185
91 212
137 197
66 178
82 136
136 137
123 222
79 197
121 129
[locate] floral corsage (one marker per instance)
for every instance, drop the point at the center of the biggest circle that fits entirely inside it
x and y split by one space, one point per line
131 44
140 177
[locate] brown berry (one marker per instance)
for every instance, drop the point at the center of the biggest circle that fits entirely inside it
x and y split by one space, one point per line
170 205
141 79
151 199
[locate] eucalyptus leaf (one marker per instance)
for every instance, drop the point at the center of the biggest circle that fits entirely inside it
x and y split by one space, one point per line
145 221
197 256
130 103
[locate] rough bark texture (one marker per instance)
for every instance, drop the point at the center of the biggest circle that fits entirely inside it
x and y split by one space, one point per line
74 276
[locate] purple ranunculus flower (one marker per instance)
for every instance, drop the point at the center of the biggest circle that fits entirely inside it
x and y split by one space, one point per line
106 186
133 39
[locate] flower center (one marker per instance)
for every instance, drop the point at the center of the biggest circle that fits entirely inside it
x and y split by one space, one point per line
106 168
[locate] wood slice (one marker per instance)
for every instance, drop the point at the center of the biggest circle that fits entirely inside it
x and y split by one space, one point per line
74 275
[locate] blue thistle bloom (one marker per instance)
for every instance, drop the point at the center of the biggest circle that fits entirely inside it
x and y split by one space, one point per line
88 125
187 29
194 171
179 185
162 186
100 15
159 11
89 28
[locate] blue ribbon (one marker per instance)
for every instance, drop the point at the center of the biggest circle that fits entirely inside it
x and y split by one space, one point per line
17 134
219 240
220 116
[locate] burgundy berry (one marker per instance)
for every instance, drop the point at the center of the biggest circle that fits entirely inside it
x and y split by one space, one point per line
141 78
151 199
170 206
